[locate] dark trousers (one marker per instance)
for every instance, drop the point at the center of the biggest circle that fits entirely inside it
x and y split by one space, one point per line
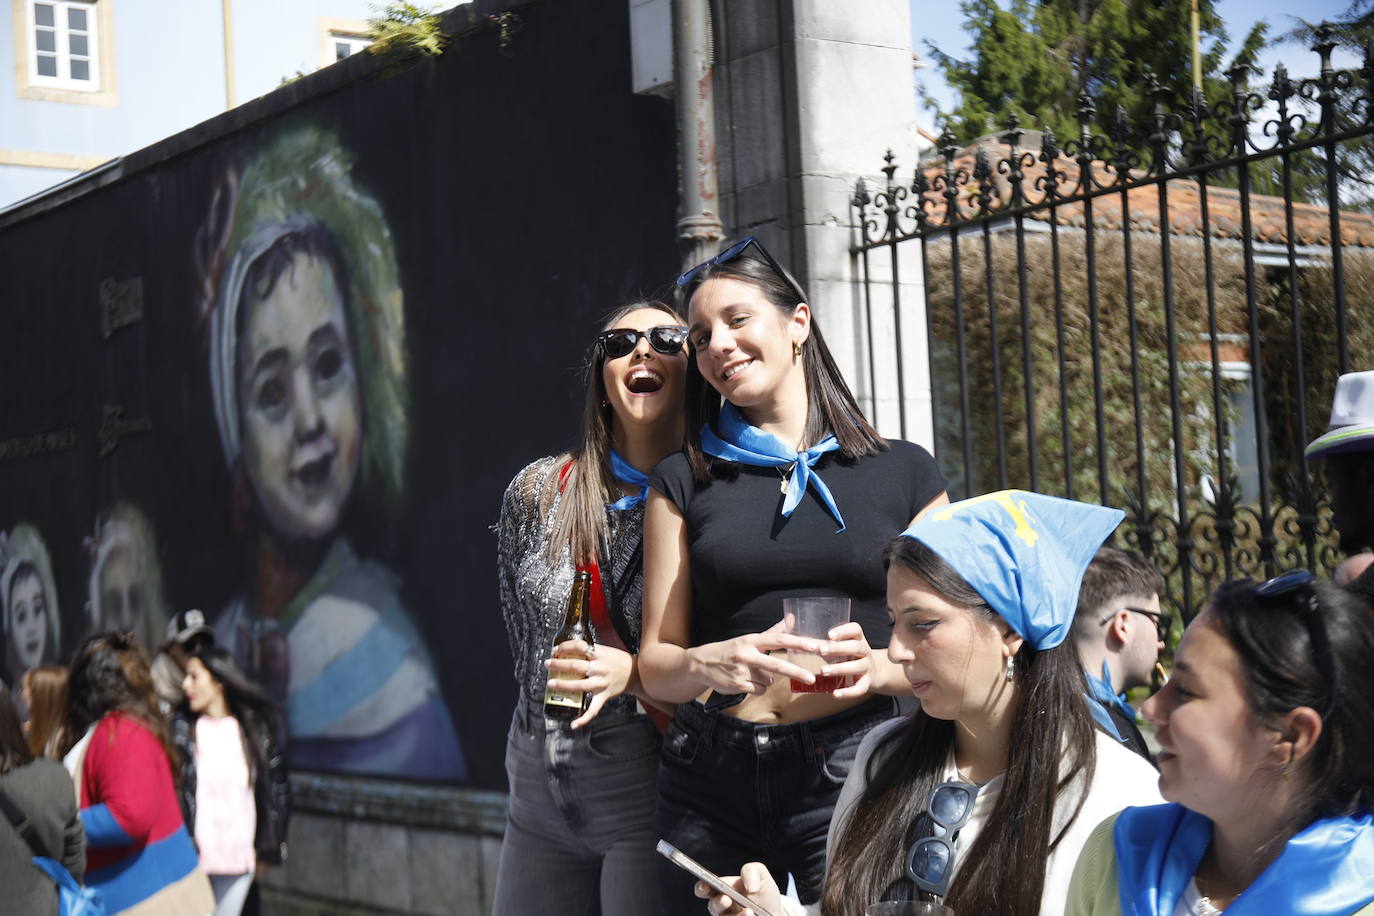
731 792
580 834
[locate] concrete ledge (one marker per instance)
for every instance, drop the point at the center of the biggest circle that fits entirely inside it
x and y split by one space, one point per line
470 811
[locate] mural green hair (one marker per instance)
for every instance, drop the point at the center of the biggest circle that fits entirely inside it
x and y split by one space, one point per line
306 172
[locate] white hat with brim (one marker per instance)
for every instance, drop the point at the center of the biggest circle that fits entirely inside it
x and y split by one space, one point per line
1352 418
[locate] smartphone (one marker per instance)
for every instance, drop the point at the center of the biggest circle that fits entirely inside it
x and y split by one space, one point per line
693 867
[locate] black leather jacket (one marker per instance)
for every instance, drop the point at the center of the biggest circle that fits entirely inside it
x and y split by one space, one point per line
271 787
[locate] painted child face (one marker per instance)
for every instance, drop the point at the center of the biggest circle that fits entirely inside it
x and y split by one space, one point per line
28 620
302 418
123 595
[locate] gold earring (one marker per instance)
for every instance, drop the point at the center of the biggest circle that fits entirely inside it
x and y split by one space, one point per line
796 349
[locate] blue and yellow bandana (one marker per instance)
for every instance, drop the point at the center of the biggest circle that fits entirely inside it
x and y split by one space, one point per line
1025 553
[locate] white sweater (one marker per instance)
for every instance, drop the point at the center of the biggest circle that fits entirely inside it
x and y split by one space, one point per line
1121 779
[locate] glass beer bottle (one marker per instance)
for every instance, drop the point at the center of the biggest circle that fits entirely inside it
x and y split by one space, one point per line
568 705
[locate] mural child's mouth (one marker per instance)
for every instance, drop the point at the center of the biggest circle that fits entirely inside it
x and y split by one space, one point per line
315 473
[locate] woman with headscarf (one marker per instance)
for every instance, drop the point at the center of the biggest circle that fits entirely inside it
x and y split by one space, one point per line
985 794
305 326
1266 737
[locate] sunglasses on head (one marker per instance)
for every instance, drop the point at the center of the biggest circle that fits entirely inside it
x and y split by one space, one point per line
667 339
1300 583
733 252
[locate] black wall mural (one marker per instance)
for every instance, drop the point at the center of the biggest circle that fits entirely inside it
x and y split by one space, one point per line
283 375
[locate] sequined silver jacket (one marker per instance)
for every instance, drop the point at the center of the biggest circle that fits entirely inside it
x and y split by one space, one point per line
534 592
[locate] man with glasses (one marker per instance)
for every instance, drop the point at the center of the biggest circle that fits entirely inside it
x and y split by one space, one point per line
1119 631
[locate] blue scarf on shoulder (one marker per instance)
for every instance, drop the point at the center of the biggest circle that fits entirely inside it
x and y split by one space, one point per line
1100 690
738 441
1327 869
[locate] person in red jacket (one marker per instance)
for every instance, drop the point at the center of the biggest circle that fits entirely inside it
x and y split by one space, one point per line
138 850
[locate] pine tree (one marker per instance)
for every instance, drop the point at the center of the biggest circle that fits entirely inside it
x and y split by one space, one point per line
1035 58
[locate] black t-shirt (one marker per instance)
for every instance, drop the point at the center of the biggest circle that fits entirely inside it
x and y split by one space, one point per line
746 557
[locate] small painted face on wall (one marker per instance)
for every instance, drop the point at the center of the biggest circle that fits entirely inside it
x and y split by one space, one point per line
302 417
123 594
28 619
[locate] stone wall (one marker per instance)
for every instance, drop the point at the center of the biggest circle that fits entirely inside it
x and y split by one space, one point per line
360 846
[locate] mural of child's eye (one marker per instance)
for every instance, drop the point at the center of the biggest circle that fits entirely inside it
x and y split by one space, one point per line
271 396
329 364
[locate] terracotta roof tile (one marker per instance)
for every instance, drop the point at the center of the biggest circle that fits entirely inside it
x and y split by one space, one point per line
1268 219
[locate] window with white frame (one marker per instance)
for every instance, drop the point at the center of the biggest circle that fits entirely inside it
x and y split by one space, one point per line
345 45
64 44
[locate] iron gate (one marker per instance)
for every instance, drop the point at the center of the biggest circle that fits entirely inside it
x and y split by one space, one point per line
1158 331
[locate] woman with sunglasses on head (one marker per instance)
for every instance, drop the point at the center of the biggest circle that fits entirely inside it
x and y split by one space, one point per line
985 794
580 828
783 490
1266 736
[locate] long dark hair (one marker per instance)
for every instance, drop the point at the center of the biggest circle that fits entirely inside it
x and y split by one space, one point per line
1279 667
589 485
109 673
831 406
255 712
14 750
1052 745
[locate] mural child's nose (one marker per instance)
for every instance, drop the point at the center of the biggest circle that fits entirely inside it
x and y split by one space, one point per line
306 415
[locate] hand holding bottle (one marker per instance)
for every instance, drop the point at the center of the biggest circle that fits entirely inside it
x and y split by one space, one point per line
600 672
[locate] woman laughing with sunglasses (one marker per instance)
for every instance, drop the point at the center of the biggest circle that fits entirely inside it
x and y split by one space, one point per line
783 490
580 830
984 796
1266 735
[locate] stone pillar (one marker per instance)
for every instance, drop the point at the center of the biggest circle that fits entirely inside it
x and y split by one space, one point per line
810 95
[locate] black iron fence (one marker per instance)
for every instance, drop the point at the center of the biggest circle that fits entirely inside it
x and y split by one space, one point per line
1152 317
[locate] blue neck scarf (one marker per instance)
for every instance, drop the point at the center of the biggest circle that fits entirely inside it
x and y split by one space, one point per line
1323 871
628 473
1103 691
738 441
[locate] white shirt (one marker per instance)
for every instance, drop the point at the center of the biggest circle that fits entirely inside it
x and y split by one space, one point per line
226 812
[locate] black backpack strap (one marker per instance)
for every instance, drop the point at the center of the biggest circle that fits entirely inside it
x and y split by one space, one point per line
21 823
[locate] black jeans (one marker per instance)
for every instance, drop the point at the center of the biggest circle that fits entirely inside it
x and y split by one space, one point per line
731 792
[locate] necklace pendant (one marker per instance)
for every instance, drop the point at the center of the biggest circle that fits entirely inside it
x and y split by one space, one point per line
786 477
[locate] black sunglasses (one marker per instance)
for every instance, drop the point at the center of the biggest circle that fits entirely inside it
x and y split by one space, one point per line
930 859
667 339
735 251
1300 582
1163 622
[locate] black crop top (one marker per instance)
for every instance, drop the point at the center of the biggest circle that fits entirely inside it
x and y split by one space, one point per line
746 557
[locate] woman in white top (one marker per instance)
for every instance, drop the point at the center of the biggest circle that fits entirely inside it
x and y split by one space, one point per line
234 791
981 594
